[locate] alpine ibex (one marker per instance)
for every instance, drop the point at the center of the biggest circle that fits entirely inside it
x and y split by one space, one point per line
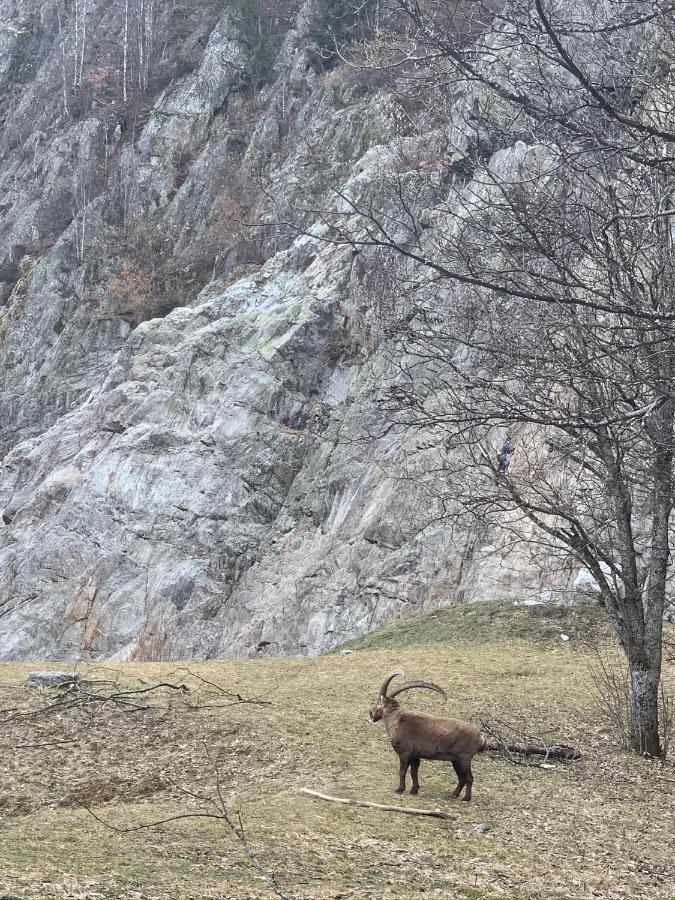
416 736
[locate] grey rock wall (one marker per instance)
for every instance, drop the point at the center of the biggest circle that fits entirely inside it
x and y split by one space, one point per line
185 468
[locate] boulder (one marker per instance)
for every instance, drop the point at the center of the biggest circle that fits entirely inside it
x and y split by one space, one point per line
50 679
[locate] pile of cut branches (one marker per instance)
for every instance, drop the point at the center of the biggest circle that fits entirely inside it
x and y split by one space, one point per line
507 742
96 689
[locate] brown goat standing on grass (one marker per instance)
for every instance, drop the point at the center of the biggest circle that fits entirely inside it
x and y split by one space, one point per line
416 736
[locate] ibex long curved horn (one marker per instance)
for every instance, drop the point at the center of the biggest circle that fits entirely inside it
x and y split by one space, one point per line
419 684
387 678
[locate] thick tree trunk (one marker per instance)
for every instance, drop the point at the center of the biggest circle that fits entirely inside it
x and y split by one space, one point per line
644 708
646 642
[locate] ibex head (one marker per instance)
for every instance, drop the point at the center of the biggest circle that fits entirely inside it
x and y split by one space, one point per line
387 700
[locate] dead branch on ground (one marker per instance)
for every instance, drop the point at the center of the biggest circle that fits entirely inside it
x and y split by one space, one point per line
408 810
505 747
90 693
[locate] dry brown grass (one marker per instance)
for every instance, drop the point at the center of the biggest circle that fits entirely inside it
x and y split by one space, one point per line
598 828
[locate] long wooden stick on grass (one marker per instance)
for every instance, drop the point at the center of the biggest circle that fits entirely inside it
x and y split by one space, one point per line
408 810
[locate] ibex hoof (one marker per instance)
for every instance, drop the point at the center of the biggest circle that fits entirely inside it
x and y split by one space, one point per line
399 790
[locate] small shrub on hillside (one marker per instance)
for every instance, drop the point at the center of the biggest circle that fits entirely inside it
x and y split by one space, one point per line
610 680
131 285
262 25
338 22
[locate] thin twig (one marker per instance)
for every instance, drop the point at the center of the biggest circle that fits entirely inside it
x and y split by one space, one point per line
38 746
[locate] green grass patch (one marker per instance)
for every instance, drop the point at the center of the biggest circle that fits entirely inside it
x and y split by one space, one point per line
487 622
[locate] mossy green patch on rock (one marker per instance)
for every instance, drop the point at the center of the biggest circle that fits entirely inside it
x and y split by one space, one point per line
274 325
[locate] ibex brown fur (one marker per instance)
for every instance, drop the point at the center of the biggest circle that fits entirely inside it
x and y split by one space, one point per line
416 736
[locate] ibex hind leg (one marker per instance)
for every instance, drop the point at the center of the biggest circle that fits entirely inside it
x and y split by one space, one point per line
469 783
460 771
414 769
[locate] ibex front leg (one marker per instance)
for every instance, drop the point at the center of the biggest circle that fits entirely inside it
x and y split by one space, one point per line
404 760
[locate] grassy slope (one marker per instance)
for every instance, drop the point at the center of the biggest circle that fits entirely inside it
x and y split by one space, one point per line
602 827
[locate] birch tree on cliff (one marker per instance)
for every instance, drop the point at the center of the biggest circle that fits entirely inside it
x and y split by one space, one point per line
553 234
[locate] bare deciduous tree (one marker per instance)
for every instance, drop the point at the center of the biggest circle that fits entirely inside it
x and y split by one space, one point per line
540 304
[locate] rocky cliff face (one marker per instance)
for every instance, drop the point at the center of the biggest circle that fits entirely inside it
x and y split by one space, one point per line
192 464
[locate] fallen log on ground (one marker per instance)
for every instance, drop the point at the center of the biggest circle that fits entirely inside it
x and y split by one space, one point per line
407 810
500 739
555 751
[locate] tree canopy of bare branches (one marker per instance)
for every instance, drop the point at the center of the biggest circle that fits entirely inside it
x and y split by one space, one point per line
529 276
